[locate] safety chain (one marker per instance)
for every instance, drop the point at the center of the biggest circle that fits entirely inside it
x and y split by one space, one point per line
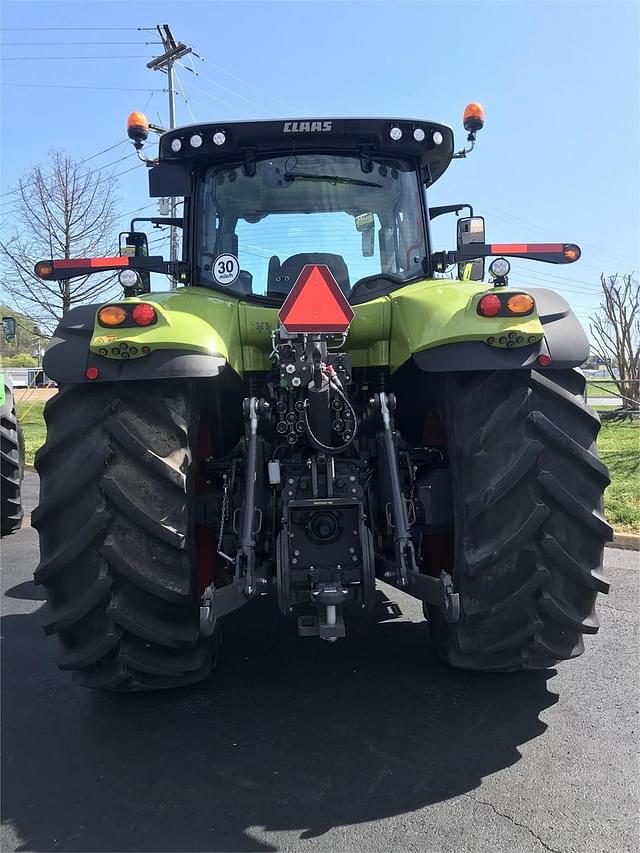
223 514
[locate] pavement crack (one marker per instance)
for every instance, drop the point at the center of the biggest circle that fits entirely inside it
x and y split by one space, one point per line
513 821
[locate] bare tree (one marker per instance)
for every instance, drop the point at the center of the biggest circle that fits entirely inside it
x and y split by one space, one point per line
61 211
615 330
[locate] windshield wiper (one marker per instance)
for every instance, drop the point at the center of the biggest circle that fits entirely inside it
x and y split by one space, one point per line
332 179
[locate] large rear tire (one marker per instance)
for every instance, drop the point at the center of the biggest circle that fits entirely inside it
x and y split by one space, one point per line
117 547
528 510
11 465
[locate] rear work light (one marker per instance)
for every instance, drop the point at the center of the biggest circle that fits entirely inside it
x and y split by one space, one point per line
144 315
111 315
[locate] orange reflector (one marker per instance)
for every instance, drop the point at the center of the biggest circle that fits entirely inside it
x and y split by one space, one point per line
316 303
571 252
520 303
473 117
44 269
111 315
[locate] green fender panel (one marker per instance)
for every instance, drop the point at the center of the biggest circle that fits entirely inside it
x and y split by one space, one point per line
443 312
199 331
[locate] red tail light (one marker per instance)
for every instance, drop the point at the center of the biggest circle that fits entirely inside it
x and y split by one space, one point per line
144 315
489 305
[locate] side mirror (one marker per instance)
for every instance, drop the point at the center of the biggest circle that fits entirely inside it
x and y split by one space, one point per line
136 245
9 328
366 226
470 230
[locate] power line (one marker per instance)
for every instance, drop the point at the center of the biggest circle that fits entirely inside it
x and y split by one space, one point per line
24 58
99 88
79 29
104 151
75 43
183 93
227 89
218 100
85 160
244 82
99 181
540 229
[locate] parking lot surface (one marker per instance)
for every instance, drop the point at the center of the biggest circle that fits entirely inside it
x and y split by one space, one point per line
370 744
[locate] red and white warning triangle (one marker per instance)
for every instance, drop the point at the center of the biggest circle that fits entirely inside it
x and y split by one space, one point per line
315 303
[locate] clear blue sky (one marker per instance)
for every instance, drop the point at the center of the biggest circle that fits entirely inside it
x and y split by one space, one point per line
557 159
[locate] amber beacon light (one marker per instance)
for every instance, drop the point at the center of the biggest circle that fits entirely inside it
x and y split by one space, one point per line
137 128
473 117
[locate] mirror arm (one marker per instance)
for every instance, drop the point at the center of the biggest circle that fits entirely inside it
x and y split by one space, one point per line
178 222
448 208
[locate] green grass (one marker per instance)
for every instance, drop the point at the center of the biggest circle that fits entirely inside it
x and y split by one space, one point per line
605 388
619 446
32 421
618 443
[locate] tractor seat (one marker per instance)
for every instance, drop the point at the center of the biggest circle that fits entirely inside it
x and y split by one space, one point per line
282 277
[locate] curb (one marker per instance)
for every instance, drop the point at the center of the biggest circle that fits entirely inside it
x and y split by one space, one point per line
626 541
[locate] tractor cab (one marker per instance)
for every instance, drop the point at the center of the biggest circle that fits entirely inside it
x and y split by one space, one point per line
265 199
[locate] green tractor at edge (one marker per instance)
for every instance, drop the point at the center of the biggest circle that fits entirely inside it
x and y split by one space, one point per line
313 406
12 450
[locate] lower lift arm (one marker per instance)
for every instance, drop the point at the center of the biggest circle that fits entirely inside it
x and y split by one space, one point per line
432 590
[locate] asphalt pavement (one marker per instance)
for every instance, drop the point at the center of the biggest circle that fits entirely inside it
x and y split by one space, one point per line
370 744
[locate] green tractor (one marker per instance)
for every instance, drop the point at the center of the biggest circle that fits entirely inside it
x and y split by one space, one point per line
12 450
315 405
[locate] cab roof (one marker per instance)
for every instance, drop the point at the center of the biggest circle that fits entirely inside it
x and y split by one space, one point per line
429 142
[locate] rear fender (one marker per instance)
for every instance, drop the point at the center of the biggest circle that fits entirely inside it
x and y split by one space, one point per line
195 336
563 339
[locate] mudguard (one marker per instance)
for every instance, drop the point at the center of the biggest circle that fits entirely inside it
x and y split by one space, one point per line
564 341
190 340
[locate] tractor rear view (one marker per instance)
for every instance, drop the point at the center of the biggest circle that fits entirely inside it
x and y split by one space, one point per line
314 407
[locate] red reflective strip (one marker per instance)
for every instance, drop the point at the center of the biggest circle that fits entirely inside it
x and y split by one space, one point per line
525 248
93 263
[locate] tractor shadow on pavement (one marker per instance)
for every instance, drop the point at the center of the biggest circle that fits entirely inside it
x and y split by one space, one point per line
290 735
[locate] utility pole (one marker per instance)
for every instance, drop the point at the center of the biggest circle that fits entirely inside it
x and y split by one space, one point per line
173 51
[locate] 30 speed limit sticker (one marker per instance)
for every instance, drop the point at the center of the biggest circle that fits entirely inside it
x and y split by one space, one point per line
226 269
